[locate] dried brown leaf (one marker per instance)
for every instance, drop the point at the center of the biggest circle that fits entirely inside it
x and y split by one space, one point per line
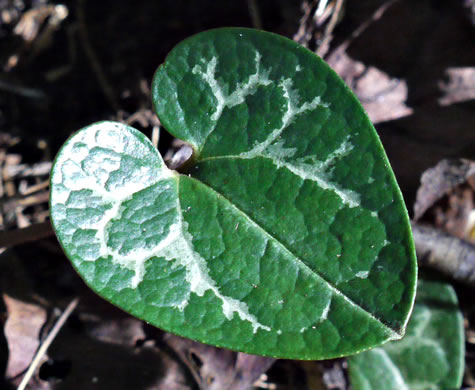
382 96
22 330
219 369
459 87
127 331
450 179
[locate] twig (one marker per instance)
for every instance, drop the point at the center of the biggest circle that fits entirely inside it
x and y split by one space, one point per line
327 37
33 200
448 254
322 6
262 383
302 36
95 64
27 92
25 170
20 236
255 14
49 339
362 28
155 136
35 188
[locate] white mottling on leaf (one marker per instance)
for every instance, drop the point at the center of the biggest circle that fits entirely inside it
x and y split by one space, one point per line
292 110
309 168
86 163
397 378
422 319
180 248
322 318
362 274
218 89
90 171
326 310
272 147
177 246
78 172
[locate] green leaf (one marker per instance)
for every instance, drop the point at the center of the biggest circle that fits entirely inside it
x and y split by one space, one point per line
429 357
288 236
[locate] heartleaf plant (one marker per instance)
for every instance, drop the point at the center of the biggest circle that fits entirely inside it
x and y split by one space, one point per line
286 236
431 355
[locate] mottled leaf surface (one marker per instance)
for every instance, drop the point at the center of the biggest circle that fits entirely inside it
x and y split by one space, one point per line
287 237
429 357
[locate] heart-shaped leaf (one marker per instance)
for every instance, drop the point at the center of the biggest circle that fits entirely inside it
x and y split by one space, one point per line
288 237
429 357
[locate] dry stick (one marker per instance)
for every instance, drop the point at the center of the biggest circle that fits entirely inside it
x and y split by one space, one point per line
325 45
446 253
155 136
301 32
33 200
362 28
34 232
35 188
95 64
24 170
49 339
255 14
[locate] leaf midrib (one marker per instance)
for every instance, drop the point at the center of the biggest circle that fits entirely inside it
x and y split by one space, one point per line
394 334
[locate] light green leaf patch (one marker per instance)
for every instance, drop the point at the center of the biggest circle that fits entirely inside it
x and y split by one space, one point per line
287 237
429 357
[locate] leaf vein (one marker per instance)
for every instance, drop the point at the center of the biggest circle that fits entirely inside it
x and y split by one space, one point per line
394 335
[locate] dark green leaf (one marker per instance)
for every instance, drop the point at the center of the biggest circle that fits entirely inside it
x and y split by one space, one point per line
289 236
429 357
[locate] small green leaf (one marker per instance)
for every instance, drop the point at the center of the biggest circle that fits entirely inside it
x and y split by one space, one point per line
429 357
288 237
